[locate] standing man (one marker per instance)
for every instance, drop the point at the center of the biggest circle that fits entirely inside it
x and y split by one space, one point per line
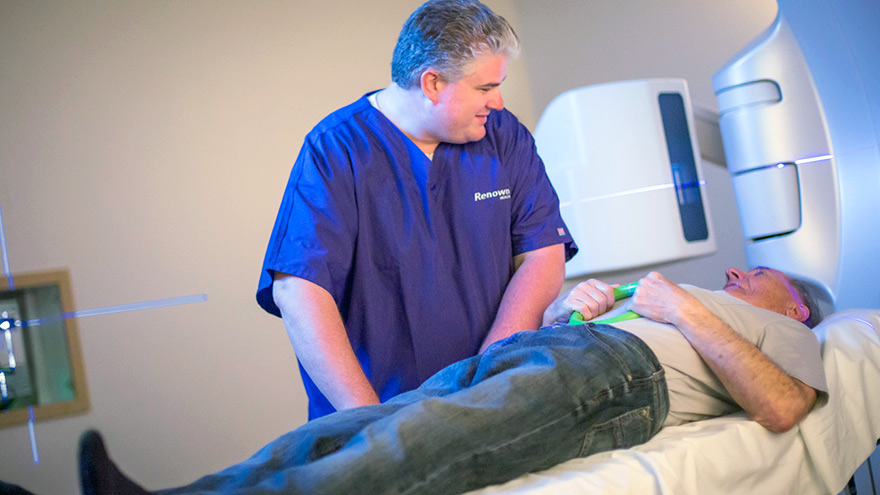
415 219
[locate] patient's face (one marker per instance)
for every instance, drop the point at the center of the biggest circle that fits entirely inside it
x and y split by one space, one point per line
762 287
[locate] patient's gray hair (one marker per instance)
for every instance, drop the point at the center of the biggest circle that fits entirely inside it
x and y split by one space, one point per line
447 35
808 296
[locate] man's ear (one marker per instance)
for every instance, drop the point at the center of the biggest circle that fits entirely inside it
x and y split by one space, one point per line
799 312
432 84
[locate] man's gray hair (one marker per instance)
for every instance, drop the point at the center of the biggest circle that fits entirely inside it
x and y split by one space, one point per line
446 35
808 296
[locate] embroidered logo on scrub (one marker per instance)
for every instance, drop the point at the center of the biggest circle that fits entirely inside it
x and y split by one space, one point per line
500 194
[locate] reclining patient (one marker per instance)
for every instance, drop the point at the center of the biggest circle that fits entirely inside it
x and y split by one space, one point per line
539 398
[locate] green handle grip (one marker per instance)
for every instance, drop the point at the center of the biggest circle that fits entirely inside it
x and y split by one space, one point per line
625 291
622 292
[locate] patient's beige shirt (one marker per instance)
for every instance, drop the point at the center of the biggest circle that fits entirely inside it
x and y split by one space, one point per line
694 391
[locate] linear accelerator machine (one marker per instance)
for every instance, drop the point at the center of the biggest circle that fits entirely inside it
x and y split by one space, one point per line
800 124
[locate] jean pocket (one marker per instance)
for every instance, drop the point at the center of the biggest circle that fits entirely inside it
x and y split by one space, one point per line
620 432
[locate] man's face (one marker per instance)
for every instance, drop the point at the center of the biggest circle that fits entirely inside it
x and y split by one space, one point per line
763 287
463 106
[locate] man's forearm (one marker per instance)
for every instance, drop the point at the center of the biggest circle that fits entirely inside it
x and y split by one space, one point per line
319 339
767 393
532 288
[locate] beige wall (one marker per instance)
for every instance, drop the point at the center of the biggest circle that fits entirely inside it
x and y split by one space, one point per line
145 146
572 43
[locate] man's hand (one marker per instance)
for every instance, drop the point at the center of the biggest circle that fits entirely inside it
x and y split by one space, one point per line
660 300
591 299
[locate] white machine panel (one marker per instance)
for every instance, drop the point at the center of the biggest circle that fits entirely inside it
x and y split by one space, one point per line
769 201
806 92
624 161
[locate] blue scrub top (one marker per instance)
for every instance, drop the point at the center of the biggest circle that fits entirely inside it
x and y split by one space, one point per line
417 253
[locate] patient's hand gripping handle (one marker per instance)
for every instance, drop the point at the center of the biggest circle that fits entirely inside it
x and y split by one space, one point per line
621 292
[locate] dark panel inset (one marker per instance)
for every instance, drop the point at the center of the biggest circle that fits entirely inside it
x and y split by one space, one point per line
684 168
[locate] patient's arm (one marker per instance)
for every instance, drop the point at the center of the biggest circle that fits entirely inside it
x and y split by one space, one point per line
535 283
591 299
319 339
768 394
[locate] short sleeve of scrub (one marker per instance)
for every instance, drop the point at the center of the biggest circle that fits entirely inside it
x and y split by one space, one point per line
536 219
314 232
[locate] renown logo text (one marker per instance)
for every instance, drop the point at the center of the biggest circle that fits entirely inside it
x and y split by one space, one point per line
500 194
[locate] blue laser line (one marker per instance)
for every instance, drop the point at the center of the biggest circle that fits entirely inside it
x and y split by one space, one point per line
157 303
5 254
34 453
818 158
658 187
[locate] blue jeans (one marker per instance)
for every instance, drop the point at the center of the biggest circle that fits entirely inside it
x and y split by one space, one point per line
528 403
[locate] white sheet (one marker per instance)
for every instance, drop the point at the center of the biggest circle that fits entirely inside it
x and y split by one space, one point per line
734 455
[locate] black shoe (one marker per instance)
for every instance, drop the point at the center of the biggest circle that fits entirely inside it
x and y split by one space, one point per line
10 489
98 474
